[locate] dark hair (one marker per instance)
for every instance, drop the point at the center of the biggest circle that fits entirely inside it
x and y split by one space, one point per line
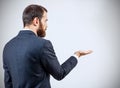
31 12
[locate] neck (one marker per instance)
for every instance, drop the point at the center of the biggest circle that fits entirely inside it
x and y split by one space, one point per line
31 29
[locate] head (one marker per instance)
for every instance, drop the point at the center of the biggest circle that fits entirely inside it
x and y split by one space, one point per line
35 18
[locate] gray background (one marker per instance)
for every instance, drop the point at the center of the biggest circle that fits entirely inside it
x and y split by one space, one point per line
74 25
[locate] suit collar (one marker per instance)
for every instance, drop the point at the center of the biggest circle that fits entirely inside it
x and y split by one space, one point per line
26 32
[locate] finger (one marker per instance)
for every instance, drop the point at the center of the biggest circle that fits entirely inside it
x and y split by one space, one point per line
86 52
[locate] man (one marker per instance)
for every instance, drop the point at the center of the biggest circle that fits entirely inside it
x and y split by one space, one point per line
28 59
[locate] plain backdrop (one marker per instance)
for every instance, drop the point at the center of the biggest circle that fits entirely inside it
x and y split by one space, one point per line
74 25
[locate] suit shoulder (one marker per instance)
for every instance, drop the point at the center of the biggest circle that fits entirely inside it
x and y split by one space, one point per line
44 40
47 42
10 41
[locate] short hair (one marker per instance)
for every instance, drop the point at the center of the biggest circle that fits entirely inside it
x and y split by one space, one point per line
31 12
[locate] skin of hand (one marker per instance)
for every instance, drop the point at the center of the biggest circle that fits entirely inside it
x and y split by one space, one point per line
82 53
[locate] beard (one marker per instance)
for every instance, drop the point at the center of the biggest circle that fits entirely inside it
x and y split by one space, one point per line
41 32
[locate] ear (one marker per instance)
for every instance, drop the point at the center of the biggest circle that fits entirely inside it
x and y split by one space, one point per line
36 21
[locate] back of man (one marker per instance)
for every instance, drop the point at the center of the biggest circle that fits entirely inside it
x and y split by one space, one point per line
22 58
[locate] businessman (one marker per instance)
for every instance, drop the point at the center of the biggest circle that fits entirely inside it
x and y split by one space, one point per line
28 59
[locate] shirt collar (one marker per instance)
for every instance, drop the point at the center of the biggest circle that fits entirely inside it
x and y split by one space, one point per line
26 29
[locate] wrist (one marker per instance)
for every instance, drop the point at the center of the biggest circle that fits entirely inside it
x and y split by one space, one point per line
77 54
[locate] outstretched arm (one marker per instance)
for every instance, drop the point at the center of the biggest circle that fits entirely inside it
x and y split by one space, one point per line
51 63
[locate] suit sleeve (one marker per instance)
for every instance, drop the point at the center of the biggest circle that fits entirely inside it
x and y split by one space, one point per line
52 65
7 76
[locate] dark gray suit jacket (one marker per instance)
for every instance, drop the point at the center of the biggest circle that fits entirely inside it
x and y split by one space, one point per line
29 61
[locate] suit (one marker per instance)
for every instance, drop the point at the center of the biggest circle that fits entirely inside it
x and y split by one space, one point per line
28 62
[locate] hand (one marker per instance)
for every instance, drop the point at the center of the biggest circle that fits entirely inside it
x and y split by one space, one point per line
82 53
